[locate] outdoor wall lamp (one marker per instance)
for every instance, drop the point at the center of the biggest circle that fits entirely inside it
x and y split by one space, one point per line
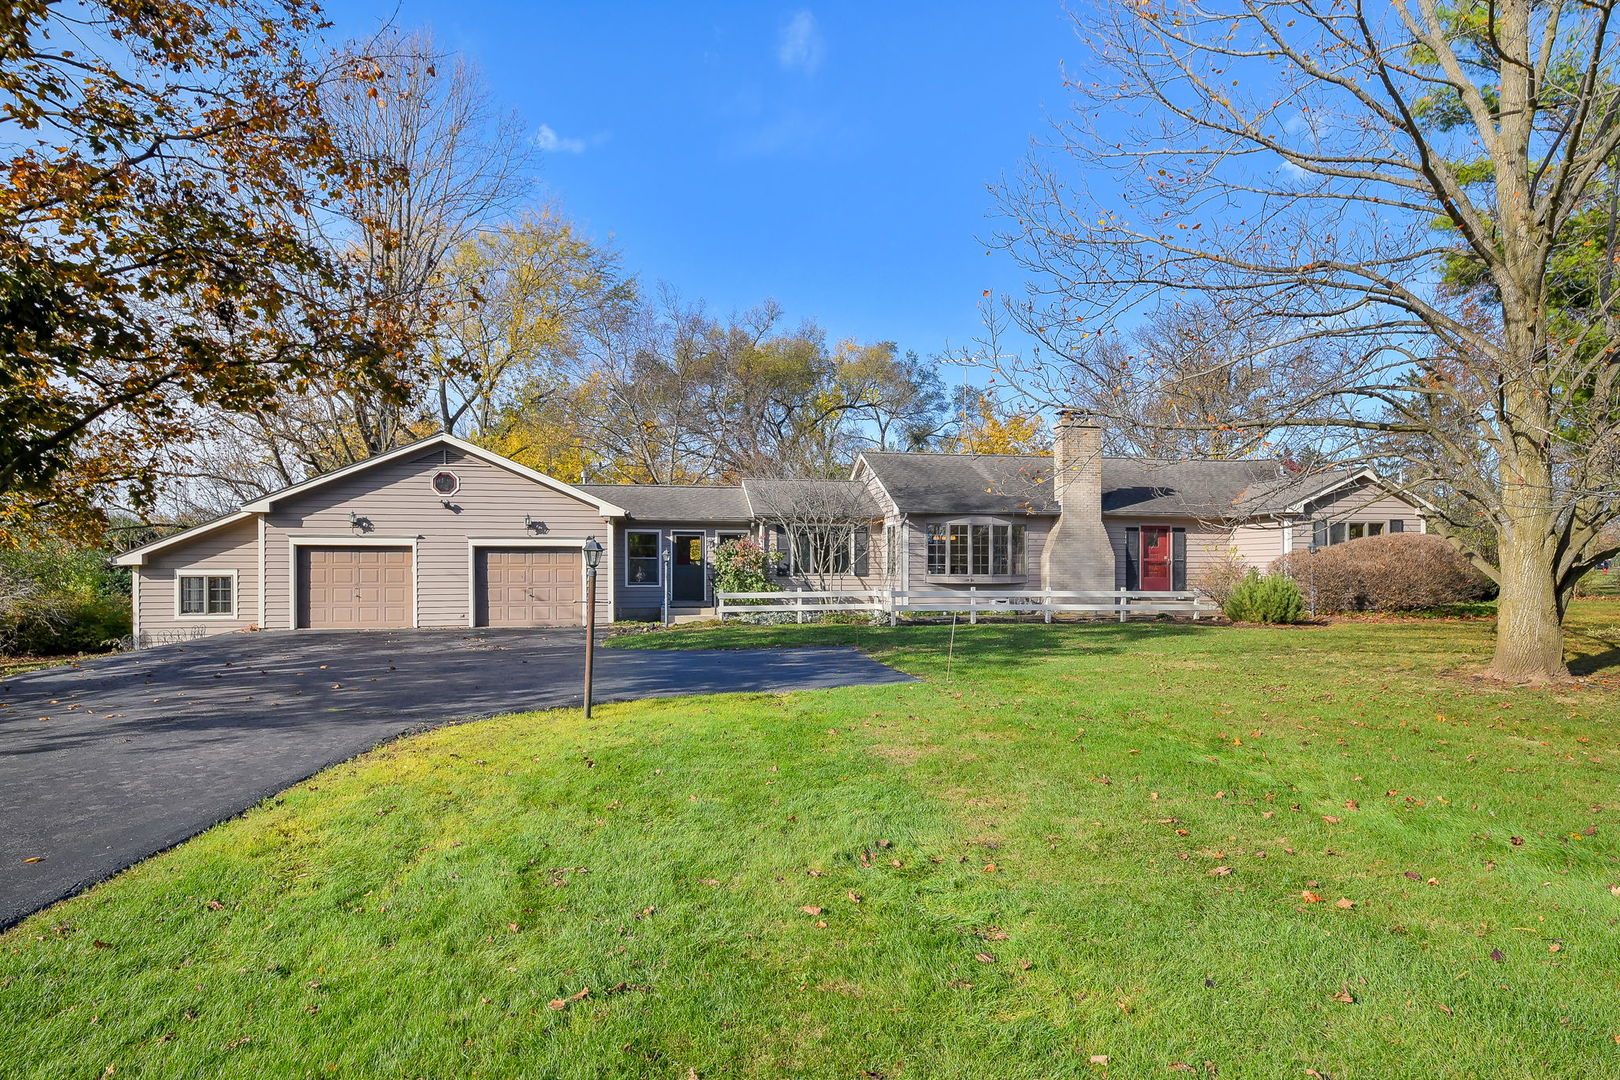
533 525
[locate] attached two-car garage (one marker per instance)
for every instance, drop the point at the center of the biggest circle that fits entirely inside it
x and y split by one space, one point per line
346 588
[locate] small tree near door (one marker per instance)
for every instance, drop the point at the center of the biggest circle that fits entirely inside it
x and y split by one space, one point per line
823 527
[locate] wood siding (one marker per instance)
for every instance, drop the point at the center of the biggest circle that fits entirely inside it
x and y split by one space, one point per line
1036 529
1206 544
233 548
646 601
398 502
1365 502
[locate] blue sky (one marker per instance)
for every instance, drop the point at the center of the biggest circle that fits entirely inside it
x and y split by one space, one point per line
833 157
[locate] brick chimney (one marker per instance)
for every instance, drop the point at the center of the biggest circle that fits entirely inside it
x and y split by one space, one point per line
1077 555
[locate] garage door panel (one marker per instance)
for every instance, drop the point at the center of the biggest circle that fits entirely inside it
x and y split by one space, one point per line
354 588
527 587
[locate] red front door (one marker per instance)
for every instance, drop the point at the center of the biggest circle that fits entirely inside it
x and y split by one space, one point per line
1156 558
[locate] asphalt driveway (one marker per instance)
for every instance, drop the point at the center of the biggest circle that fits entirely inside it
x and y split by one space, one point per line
104 764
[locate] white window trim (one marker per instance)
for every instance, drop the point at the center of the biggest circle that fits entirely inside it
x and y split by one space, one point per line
658 559
295 542
204 573
540 543
793 552
975 519
444 471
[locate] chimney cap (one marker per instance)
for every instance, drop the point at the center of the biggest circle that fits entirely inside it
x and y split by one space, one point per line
1076 418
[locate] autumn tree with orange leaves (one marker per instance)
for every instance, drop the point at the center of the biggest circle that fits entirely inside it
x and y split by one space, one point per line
169 165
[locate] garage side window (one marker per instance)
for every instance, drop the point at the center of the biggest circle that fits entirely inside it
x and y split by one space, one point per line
207 594
641 558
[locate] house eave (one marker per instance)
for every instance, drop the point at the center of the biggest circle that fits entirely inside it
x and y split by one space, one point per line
137 556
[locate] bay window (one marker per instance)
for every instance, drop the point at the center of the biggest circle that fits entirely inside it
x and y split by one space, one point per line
975 549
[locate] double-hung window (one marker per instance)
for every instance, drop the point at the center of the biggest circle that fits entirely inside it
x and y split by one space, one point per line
641 558
823 549
207 594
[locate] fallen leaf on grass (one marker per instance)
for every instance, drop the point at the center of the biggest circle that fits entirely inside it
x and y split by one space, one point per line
1344 902
1331 820
559 1004
215 905
1445 1009
1345 997
984 958
1413 875
1496 954
1221 871
1310 897
1099 1059
810 909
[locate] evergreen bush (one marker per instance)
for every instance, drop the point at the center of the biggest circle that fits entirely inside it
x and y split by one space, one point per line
1273 598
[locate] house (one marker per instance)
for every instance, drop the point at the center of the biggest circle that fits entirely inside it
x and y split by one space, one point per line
443 533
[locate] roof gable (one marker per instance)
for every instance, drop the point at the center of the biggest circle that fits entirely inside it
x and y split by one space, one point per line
267 502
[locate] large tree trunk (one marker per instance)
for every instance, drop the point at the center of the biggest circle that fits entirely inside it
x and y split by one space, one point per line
1529 631
1529 617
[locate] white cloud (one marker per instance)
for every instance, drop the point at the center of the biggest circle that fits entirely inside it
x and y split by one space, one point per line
548 140
800 47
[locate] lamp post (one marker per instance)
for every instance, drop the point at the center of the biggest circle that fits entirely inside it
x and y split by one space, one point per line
593 556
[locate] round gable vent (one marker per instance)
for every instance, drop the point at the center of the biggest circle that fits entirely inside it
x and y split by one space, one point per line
446 483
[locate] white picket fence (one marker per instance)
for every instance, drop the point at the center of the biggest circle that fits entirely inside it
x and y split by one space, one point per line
971 601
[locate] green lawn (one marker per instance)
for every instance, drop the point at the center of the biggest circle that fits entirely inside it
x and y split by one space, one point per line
1092 840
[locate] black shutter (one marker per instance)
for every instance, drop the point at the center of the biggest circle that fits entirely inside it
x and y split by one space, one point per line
1397 525
1133 552
782 551
1319 534
863 552
1178 559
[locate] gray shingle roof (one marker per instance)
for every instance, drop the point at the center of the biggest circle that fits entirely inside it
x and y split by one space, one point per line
811 499
675 502
922 483
1199 489
965 483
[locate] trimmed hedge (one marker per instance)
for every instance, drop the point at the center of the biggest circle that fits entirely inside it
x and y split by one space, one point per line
1394 572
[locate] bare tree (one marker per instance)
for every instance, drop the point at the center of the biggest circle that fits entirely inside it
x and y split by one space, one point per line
1315 172
521 297
422 120
822 526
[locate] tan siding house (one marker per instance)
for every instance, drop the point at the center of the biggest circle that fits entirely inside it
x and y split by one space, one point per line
443 533
438 534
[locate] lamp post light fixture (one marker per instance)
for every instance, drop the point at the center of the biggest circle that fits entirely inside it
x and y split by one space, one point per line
593 556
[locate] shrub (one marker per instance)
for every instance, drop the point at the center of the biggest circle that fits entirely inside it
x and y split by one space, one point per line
742 565
1220 577
56 599
1270 599
1395 572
